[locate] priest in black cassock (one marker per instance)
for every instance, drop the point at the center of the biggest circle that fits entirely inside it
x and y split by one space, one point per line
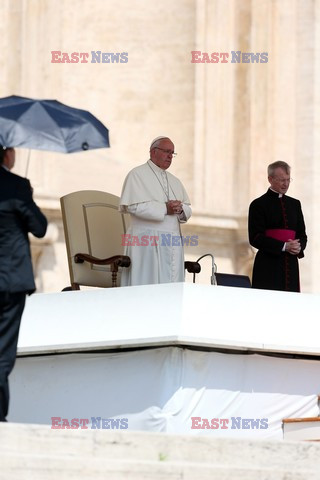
277 230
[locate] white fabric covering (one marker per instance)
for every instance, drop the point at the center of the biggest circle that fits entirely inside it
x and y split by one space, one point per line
161 389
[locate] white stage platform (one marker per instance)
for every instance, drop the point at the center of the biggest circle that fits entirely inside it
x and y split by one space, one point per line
171 314
153 355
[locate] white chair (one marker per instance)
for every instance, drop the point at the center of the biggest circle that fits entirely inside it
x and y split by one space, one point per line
93 229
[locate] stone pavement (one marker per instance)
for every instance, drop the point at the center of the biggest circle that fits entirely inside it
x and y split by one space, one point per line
39 453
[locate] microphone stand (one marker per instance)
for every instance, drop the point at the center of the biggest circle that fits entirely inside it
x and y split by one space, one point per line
213 279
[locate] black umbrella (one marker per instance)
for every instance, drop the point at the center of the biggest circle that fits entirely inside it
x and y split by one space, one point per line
49 125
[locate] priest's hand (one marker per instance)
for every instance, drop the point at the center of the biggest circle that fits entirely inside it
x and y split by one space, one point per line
293 247
174 207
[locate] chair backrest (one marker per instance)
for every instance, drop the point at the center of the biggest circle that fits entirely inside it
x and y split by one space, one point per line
93 225
230 280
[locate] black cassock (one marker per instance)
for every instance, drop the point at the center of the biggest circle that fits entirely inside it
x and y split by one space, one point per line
274 269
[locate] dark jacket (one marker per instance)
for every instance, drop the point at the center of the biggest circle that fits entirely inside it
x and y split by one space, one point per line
18 215
274 269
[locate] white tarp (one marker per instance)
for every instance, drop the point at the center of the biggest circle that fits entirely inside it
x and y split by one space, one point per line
162 389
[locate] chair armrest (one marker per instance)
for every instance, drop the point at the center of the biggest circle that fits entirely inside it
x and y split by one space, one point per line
116 260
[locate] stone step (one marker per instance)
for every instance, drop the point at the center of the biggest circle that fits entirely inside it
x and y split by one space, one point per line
37 452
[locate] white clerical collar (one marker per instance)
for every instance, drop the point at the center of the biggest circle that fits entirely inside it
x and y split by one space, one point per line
155 167
280 195
6 168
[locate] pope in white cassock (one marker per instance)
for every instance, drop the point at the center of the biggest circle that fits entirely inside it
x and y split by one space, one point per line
157 203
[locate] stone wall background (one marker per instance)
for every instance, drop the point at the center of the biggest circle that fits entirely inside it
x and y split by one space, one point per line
228 121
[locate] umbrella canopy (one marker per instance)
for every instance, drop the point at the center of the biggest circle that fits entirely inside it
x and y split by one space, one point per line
49 125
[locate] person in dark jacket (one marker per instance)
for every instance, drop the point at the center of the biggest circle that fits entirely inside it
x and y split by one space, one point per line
277 229
19 215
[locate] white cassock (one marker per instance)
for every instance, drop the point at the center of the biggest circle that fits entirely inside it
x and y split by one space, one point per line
154 242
